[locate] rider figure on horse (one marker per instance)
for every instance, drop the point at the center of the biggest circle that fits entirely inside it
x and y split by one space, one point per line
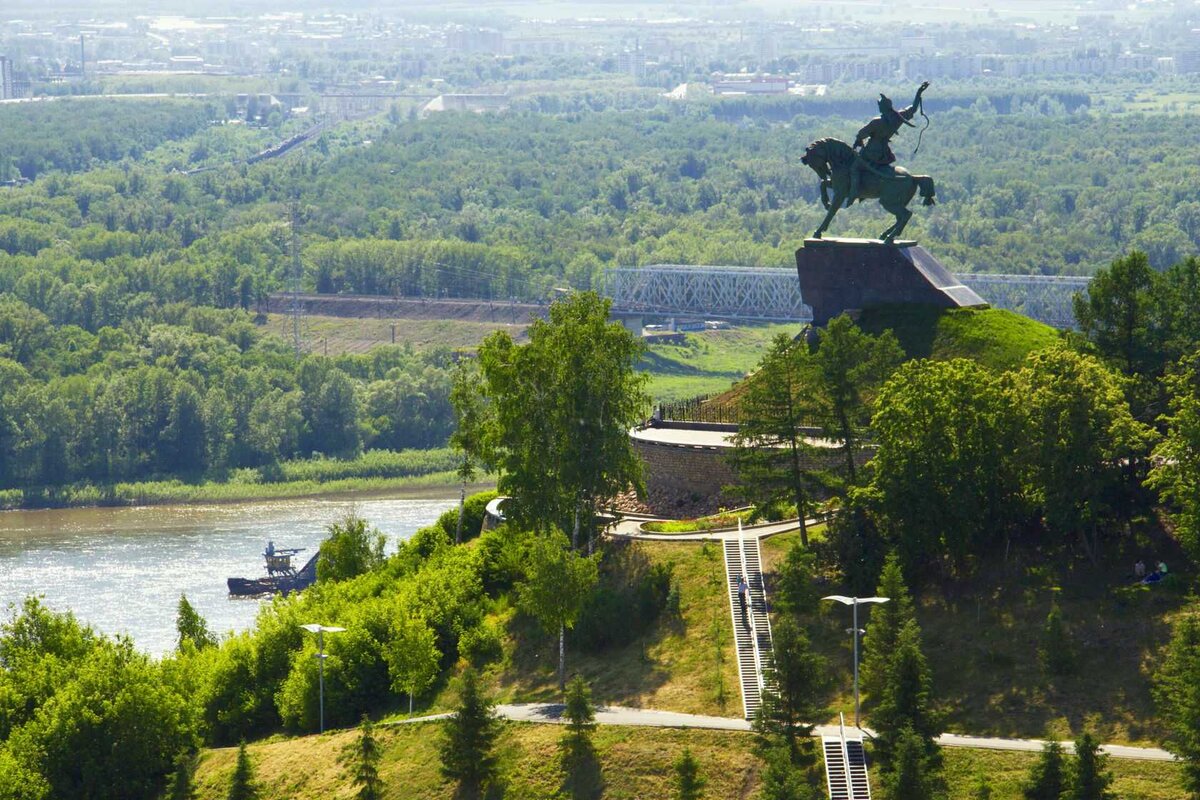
873 143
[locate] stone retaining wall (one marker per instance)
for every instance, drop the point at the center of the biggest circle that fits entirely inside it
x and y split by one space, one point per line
690 480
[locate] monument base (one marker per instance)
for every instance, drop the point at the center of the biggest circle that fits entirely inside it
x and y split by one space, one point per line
839 275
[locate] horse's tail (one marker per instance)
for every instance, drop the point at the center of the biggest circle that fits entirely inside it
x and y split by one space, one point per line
925 187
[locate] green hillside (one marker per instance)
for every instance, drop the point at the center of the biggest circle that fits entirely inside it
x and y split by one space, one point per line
992 336
633 763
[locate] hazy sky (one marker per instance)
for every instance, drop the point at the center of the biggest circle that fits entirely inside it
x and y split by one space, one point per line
931 10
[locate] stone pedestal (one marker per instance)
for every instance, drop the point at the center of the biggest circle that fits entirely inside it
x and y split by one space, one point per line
839 275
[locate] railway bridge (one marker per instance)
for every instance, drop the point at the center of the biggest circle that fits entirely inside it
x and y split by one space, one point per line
772 294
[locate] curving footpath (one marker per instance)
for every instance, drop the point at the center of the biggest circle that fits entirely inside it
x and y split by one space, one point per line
631 528
552 713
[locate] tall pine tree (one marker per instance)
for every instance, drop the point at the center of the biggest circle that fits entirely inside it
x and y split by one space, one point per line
771 453
1177 697
1047 779
883 630
361 758
906 700
1089 778
470 735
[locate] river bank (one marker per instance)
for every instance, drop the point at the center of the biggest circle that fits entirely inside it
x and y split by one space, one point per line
122 570
374 474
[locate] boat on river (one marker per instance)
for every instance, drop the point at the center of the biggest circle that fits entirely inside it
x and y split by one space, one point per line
282 577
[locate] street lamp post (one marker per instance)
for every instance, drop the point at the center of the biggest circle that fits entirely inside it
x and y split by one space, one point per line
320 631
855 601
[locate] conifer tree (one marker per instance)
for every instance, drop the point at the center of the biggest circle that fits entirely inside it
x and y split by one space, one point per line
883 629
580 765
580 713
242 786
361 757
782 779
1047 779
181 786
913 773
906 702
771 449
470 734
799 675
689 784
1089 778
1177 697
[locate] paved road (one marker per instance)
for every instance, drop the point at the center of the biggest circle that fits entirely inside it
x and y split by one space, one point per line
638 717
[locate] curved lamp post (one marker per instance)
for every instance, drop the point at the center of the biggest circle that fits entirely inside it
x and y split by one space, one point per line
320 631
855 632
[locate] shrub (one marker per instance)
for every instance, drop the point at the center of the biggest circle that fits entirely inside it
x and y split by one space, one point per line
480 644
628 599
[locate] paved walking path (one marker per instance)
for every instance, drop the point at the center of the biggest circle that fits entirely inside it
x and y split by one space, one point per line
639 717
631 529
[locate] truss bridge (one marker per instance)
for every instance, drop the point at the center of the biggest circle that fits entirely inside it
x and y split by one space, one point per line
772 294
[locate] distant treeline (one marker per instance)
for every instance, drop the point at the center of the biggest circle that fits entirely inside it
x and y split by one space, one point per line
784 108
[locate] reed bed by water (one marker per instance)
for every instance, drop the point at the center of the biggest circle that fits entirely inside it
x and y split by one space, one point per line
374 471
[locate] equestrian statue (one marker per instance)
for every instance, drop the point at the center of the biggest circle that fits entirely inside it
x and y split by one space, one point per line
867 170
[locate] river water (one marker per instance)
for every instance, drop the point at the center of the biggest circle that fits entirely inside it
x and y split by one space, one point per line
121 570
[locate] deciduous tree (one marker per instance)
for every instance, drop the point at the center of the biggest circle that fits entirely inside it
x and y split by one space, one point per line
564 404
558 580
350 549
191 626
412 656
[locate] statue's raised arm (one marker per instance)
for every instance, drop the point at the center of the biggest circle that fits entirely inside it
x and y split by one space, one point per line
866 170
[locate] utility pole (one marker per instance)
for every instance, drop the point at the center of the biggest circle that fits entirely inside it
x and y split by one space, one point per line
296 274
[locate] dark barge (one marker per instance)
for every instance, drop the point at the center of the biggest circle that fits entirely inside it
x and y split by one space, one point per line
281 577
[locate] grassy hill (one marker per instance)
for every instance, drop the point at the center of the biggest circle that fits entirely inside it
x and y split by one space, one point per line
633 763
981 639
992 336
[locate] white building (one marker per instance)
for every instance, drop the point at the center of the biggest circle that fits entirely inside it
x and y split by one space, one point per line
7 89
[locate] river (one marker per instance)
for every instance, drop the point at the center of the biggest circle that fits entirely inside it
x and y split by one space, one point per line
121 570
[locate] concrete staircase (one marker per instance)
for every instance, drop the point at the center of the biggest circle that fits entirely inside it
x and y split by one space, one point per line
846 766
751 625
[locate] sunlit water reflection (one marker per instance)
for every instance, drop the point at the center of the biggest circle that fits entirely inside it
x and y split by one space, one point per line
122 570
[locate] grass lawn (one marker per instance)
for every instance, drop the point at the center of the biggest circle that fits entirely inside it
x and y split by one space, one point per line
633 763
686 664
710 362
360 335
726 519
982 639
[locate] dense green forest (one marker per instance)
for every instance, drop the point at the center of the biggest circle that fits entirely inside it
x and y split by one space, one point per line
103 255
509 205
197 392
48 136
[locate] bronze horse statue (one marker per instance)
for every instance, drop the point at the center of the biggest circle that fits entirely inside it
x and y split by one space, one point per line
832 160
